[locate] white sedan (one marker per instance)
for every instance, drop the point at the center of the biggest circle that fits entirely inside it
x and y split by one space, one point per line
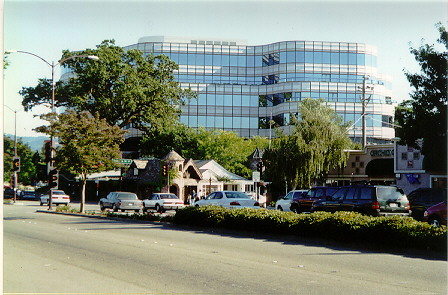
284 204
58 197
162 202
228 199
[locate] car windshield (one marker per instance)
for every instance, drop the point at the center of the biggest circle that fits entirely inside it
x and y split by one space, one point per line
389 193
168 196
236 195
127 196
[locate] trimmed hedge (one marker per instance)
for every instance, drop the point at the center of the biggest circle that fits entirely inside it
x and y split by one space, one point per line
396 231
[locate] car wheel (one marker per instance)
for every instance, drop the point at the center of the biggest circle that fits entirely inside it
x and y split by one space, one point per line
280 208
41 203
136 210
159 209
145 209
102 208
122 210
434 221
115 208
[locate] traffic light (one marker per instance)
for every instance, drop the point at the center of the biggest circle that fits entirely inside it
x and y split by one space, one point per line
53 178
16 164
164 170
47 151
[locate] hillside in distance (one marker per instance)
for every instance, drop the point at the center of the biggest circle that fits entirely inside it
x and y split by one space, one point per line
35 143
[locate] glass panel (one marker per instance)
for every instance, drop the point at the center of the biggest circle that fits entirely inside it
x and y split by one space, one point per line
335 58
309 57
228 122
326 57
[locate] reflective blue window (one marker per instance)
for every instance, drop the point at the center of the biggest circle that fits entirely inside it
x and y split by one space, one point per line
227 99
211 99
200 58
290 57
191 59
326 57
258 61
233 60
300 57
250 61
334 58
228 122
237 100
352 58
182 58
210 122
216 59
219 122
236 122
202 99
283 57
343 58
225 60
209 59
253 123
245 122
309 57
241 60
318 57
202 121
361 59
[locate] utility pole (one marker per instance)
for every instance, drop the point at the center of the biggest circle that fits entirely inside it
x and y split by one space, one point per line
364 102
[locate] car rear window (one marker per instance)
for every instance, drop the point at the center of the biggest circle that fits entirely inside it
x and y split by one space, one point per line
389 193
168 196
58 193
127 196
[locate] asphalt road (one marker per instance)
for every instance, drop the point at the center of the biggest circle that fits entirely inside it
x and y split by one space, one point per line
48 253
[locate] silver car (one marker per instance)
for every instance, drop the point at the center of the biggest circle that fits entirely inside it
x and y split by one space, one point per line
57 197
121 201
229 199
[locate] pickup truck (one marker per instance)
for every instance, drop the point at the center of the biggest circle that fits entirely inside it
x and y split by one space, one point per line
121 201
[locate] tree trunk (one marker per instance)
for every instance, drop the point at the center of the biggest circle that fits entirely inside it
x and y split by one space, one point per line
83 192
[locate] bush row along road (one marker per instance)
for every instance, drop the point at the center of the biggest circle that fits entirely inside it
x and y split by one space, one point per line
48 253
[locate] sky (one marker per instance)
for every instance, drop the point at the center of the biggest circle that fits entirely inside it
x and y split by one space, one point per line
46 28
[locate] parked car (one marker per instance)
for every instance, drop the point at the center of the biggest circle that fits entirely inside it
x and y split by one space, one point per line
28 195
8 193
228 199
162 202
303 203
284 204
375 200
57 197
121 201
436 215
423 198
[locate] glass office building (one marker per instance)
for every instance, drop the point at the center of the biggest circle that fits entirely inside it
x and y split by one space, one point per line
245 88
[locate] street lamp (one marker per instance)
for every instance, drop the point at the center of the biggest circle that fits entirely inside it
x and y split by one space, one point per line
53 66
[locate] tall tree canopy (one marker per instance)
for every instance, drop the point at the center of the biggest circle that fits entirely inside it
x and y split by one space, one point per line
424 116
123 87
88 144
315 146
226 148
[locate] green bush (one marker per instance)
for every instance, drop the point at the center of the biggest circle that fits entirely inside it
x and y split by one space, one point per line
396 231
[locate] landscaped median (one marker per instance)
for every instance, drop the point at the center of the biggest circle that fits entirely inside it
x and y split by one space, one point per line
396 232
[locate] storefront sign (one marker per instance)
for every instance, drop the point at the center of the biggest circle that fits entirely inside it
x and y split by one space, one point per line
382 153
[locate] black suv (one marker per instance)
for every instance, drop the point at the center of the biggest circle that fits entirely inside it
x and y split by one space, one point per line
423 198
303 202
375 200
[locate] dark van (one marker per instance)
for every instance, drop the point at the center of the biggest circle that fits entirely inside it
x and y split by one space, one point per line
423 198
375 200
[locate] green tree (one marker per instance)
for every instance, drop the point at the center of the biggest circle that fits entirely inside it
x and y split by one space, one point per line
124 87
226 148
424 116
315 146
88 144
27 174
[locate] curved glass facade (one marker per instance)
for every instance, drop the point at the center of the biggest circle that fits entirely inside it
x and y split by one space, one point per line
242 88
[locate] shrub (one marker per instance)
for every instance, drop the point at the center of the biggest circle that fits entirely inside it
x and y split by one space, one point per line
396 231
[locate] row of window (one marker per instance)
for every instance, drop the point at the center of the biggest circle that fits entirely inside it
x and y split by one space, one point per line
223 60
273 79
269 100
223 122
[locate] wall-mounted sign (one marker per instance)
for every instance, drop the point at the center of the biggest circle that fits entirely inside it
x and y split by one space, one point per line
382 153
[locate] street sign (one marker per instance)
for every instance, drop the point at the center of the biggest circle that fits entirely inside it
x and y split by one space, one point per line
256 176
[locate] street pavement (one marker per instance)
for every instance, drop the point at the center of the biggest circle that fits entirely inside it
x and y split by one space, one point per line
49 253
